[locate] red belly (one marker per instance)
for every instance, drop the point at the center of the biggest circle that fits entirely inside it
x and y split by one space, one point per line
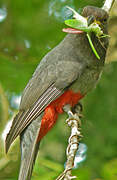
56 107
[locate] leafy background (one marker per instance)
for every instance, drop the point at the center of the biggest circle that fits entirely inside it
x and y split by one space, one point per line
30 30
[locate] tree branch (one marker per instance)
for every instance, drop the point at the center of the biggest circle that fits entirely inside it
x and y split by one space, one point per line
74 122
108 5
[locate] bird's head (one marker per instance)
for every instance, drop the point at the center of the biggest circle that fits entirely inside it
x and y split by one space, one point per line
96 14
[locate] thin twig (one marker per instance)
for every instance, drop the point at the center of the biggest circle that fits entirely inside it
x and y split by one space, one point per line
108 5
74 122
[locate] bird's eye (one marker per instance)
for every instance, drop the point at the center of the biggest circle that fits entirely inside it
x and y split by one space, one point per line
104 20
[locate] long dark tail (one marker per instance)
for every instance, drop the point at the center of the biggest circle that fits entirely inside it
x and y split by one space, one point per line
27 164
29 149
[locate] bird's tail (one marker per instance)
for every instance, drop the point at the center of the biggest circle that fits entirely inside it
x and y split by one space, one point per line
29 149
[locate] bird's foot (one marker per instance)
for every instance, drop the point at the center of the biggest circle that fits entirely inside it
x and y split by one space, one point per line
77 109
73 113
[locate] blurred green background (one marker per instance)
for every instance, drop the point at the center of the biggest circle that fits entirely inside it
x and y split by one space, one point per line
28 30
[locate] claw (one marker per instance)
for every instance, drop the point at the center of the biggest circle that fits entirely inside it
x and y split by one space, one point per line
78 108
73 117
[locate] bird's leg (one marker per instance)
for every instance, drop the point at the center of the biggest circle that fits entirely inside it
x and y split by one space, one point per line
74 122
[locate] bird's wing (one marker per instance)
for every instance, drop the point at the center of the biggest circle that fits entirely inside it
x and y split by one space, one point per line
24 118
67 72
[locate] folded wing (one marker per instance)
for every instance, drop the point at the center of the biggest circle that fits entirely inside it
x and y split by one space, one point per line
24 118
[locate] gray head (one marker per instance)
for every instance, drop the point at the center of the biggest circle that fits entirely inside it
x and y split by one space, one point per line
98 13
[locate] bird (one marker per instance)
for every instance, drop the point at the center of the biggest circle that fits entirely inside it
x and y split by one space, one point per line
64 76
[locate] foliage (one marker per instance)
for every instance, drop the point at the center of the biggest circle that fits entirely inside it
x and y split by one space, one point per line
30 21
